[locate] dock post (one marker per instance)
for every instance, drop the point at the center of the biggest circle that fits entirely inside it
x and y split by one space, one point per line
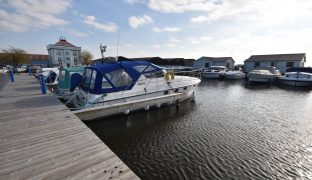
42 82
11 75
29 71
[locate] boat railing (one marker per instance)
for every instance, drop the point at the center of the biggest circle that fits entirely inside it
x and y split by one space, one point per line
192 73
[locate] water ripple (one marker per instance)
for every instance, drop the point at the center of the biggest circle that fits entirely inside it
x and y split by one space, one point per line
230 132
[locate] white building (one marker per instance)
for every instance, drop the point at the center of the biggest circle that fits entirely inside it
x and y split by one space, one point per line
64 53
281 61
206 62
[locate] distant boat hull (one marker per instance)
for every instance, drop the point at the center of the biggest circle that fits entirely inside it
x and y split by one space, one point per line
296 83
235 75
211 75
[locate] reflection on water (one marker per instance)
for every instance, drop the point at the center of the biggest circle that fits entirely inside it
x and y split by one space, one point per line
230 131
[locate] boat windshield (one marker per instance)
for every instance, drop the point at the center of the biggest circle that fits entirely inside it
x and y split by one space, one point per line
117 76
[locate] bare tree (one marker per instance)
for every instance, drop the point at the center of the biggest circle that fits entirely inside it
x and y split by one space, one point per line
14 56
86 57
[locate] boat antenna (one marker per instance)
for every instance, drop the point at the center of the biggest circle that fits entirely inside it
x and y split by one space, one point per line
103 49
117 45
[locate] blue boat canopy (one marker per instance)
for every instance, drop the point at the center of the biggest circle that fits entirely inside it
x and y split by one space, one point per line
116 76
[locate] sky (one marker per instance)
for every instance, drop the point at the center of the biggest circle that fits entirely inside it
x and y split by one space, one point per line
164 28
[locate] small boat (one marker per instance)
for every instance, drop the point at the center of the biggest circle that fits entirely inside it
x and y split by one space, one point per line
69 79
233 75
214 72
263 74
121 87
22 68
50 75
299 76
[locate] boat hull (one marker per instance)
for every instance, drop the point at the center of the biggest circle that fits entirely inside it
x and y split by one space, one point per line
211 75
260 79
235 76
296 83
127 105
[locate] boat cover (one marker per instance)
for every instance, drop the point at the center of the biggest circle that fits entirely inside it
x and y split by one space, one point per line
300 69
115 76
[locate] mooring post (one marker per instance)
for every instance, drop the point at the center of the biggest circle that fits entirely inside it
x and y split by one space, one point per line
11 75
43 87
29 71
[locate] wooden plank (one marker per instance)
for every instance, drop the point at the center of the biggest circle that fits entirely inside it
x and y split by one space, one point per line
41 139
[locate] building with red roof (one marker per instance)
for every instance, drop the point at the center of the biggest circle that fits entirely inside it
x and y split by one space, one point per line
63 53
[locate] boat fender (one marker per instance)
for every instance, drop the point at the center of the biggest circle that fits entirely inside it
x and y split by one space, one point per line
158 105
126 112
146 108
171 75
167 76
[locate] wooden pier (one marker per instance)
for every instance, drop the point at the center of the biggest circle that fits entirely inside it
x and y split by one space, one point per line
41 139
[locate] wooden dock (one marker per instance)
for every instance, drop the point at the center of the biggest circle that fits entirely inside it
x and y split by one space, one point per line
41 139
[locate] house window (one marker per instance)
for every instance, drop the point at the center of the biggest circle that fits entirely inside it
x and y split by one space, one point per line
74 53
290 64
59 59
272 64
75 60
67 59
67 53
227 65
58 52
207 65
257 64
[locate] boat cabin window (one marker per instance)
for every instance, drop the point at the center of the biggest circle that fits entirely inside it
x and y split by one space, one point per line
93 79
105 84
140 68
119 78
150 68
62 75
303 76
257 64
207 65
155 74
87 77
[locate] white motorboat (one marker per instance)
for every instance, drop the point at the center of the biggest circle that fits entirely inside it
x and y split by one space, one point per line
214 72
136 84
297 77
263 74
233 75
22 68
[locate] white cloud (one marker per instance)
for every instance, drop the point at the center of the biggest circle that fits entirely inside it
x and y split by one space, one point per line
264 12
166 29
136 21
75 32
200 19
180 6
197 40
173 39
108 27
32 14
156 46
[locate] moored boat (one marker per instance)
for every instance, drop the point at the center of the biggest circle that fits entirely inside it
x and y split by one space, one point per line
263 74
233 75
214 72
128 86
69 79
297 77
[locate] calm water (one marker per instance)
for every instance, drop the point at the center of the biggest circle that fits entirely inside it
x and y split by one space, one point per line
229 132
